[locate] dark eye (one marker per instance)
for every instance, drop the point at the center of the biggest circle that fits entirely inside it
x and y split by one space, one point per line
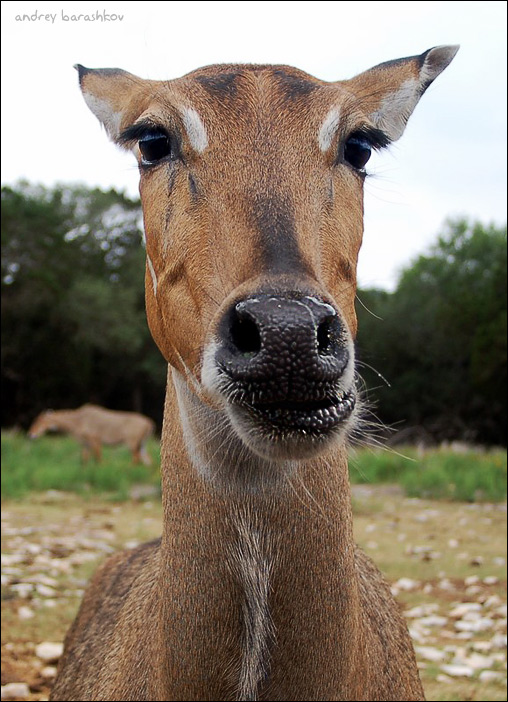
155 146
357 150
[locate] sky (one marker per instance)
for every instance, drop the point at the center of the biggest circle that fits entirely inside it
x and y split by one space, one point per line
450 162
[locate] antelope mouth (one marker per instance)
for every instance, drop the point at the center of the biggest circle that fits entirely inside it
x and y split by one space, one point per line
314 417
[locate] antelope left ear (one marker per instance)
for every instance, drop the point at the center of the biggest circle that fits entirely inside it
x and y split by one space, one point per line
113 95
390 91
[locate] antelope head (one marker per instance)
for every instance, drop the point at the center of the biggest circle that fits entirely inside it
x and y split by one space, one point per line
252 192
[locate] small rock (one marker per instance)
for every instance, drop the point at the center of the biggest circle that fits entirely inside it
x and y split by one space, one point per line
45 591
453 543
15 691
473 590
407 584
446 585
430 654
433 620
482 646
491 580
479 662
475 625
471 580
499 641
49 651
495 601
23 590
49 672
421 610
25 613
457 671
464 608
476 561
490 676
9 559
443 678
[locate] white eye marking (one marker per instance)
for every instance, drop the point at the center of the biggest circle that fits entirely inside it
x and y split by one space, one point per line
152 273
102 110
328 129
195 129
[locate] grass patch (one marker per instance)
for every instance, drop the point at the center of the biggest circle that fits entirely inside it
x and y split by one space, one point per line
54 463
474 476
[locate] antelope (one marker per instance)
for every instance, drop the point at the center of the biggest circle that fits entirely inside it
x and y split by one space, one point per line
94 426
251 182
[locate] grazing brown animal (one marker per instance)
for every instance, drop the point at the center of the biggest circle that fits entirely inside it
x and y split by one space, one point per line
252 191
94 426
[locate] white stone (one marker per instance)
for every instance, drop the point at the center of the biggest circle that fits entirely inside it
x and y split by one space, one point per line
443 678
430 654
457 671
421 610
25 613
491 580
49 672
499 640
23 589
9 559
15 691
49 651
479 662
490 676
482 646
471 580
45 591
407 584
433 620
475 625
464 608
473 590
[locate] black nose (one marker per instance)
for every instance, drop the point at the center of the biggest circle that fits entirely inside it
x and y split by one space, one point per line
283 344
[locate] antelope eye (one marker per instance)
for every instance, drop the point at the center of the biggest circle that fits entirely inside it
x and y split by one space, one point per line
155 146
357 151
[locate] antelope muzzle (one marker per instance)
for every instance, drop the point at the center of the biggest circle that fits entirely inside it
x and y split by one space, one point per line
283 364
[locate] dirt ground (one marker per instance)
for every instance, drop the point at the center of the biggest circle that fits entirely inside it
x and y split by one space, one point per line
446 563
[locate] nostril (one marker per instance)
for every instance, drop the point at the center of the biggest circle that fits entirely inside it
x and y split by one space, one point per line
324 337
245 335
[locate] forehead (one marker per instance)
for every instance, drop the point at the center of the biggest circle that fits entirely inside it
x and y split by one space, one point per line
254 95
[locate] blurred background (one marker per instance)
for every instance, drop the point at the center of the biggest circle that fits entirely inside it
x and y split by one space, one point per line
431 304
432 271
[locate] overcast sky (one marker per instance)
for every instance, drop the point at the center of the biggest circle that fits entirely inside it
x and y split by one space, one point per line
450 162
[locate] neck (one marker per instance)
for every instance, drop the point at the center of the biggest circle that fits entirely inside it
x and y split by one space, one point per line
263 576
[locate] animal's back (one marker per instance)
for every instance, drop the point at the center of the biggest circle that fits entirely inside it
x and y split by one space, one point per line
114 427
105 655
394 673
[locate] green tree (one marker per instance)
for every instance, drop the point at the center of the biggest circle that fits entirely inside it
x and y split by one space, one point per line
442 344
73 321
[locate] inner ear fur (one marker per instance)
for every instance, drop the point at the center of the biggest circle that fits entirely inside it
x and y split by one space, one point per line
389 92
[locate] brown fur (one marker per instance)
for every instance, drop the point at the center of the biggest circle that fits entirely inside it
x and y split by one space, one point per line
256 590
94 426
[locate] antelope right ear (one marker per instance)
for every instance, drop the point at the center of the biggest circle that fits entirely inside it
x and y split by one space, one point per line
115 97
389 92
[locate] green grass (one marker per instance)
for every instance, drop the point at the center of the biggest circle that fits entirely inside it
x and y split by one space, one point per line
54 463
474 476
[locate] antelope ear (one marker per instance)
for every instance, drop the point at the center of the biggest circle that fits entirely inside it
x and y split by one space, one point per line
115 97
390 91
